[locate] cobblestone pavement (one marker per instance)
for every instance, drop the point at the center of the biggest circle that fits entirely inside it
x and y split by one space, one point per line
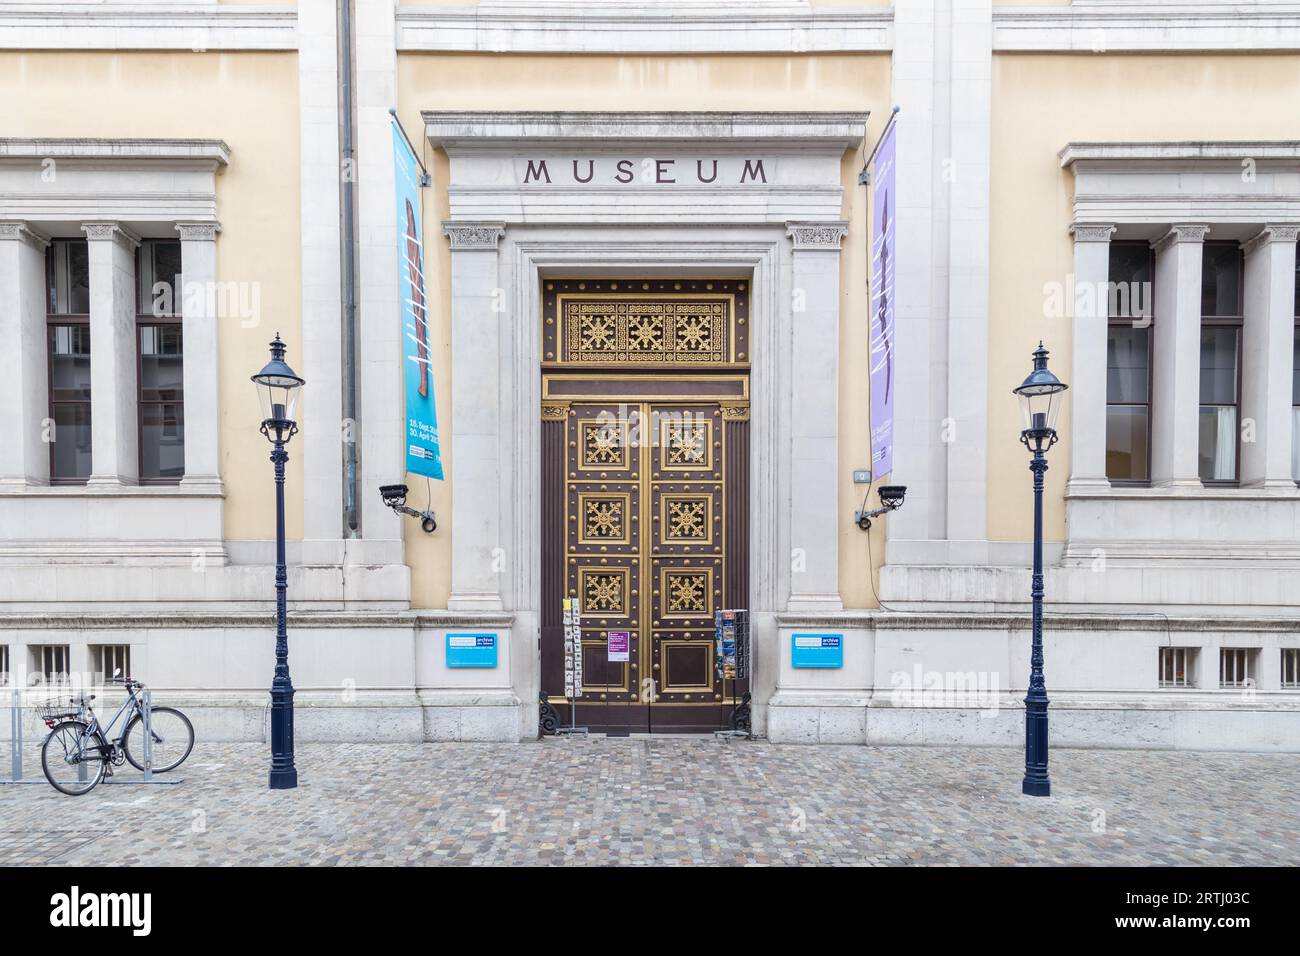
670 801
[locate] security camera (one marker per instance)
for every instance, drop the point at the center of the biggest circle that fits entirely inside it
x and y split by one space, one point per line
395 497
891 498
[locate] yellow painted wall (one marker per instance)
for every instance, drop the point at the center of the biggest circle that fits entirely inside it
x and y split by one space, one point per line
250 100
1040 103
822 82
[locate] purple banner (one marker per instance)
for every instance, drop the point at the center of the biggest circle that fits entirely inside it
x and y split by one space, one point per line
884 376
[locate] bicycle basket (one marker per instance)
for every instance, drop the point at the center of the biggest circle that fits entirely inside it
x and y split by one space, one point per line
57 709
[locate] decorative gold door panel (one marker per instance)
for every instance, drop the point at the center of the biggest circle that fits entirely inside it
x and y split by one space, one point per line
674 324
604 540
685 549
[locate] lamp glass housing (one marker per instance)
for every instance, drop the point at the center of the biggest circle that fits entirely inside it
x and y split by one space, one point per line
1040 395
277 386
1039 410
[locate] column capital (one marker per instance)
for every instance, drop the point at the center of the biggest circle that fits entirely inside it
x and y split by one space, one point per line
1181 232
198 231
111 231
1092 231
474 235
1272 232
817 235
18 231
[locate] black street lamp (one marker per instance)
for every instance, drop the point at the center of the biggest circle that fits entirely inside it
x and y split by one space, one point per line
1040 402
277 389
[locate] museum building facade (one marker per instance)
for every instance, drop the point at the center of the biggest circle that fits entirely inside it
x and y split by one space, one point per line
641 242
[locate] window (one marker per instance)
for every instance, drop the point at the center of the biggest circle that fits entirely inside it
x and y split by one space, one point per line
1128 363
50 661
4 665
1178 666
160 372
1291 667
1238 666
107 660
1221 274
67 273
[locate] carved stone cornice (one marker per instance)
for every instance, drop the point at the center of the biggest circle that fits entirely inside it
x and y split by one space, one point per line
198 231
1181 232
111 231
1273 232
1092 231
21 232
474 235
817 235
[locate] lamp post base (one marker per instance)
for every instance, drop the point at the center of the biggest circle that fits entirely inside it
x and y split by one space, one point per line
284 779
1032 787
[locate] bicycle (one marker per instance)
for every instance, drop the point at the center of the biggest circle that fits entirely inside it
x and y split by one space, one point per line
76 755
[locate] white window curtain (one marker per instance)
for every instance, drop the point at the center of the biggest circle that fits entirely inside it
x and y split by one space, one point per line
1225 446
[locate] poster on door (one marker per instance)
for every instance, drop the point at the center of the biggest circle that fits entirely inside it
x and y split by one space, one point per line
422 454
884 375
617 645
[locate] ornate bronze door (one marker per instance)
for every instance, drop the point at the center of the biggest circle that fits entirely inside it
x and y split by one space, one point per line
645 521
687 557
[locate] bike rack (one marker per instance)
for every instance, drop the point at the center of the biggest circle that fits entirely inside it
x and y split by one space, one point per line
16 747
16 741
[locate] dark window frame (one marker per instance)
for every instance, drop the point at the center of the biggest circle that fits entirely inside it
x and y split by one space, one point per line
55 320
146 319
1295 374
1237 322
1126 321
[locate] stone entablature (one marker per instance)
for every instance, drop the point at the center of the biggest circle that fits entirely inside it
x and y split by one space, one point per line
645 167
758 26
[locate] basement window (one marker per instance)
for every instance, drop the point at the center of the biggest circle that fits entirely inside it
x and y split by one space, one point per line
1238 666
1178 666
51 662
106 660
1291 667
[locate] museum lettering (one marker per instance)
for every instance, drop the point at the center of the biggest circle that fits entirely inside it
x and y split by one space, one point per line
660 172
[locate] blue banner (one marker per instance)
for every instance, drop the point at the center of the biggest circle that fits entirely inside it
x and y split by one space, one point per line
422 454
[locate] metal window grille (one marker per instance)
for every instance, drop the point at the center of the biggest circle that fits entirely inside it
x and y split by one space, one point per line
1291 667
108 659
1237 666
52 662
1177 666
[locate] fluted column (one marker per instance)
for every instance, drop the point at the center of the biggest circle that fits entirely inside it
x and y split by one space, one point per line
199 335
814 416
24 455
476 417
1268 336
114 389
1087 395
1176 358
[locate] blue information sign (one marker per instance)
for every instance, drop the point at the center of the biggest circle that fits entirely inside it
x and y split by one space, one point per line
471 650
816 650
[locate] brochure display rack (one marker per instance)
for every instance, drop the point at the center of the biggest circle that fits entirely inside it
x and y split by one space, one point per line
731 656
572 665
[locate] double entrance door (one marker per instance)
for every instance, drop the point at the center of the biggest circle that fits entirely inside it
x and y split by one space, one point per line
645 527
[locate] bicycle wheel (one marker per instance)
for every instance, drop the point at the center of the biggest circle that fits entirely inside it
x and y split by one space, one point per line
173 739
72 761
